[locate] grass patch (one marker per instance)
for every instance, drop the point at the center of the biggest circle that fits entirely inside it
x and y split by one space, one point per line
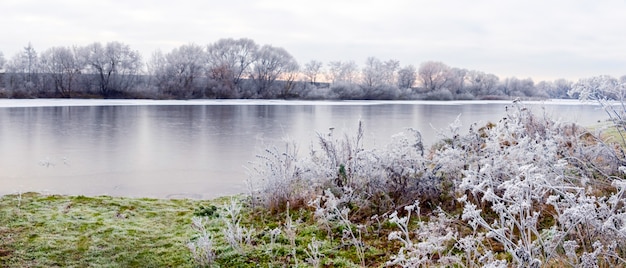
609 132
51 231
77 231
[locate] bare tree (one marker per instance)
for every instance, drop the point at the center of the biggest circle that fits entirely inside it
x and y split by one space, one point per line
30 62
115 65
23 71
179 71
373 73
2 61
289 77
342 72
480 83
378 77
312 69
156 68
455 80
63 67
561 87
514 86
407 77
271 63
229 60
433 75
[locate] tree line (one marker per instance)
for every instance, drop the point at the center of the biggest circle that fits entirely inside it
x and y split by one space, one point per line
241 68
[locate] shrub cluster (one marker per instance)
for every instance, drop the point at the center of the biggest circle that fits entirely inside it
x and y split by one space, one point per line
525 190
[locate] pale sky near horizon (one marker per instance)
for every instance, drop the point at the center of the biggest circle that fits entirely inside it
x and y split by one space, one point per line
543 40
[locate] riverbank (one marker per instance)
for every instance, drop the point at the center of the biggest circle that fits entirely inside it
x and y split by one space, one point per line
526 190
39 230
76 231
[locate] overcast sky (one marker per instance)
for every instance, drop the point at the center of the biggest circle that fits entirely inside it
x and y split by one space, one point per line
540 39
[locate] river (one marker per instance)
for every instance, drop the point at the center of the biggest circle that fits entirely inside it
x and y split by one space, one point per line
201 148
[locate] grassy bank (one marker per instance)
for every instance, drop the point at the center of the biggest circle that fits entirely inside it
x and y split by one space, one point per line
61 231
76 231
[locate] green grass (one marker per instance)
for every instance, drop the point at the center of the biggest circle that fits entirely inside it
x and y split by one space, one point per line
77 231
609 133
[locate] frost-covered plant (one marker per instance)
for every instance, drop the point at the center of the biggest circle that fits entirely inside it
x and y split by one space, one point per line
201 246
405 170
476 251
381 179
313 252
290 231
428 245
610 94
277 178
516 224
340 155
520 169
539 190
585 220
528 180
274 233
331 211
235 234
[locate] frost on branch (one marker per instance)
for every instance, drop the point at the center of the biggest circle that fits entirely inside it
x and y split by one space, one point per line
428 244
536 171
610 94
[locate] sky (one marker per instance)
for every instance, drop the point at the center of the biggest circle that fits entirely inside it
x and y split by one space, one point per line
538 39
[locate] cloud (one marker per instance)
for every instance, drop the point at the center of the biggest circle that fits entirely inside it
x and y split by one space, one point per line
523 38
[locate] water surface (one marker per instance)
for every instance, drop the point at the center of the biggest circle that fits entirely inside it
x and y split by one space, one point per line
200 149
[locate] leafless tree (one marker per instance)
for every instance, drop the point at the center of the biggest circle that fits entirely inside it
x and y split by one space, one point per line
116 66
312 69
290 78
377 73
62 66
30 62
179 71
342 72
229 60
407 77
480 83
23 71
514 86
272 63
434 75
378 78
156 68
456 80
2 61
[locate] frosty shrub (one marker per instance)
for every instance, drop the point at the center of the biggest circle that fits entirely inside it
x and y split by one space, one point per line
235 234
431 247
525 191
277 179
532 171
381 179
333 212
201 246
346 91
314 255
610 94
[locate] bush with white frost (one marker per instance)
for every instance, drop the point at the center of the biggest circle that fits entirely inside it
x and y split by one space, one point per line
202 246
525 191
